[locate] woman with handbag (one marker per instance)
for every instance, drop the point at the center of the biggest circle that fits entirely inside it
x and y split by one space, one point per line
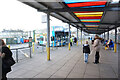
6 55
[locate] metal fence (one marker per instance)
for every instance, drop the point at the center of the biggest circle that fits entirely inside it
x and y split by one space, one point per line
19 49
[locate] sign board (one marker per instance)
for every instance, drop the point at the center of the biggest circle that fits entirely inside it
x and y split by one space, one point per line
44 18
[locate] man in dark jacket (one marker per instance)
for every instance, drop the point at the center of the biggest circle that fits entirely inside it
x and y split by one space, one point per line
86 51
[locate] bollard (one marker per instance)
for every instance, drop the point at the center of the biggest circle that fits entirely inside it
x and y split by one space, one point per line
9 46
33 47
81 41
48 53
69 46
115 47
77 43
30 53
105 48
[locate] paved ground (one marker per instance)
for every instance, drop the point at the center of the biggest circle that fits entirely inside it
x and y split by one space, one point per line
67 64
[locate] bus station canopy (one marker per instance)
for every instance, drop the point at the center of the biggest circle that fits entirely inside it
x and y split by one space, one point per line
92 16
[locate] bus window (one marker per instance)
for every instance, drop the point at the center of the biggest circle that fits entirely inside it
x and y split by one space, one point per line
52 38
41 39
38 39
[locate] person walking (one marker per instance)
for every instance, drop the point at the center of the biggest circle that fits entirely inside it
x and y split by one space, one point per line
86 51
6 55
96 46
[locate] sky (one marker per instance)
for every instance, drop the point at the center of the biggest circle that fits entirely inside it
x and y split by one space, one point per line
16 15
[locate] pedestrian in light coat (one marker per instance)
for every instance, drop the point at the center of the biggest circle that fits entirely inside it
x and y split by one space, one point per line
96 46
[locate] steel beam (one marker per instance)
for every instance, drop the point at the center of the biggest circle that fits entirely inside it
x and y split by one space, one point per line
95 23
81 9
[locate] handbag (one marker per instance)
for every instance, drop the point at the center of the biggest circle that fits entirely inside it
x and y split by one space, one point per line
10 62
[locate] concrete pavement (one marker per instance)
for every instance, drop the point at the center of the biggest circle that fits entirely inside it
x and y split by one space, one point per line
67 64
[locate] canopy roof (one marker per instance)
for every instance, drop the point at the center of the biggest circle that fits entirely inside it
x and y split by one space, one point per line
92 16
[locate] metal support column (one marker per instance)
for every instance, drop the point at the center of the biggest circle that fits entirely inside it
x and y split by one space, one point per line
104 35
29 33
33 35
81 35
48 36
108 34
115 45
69 38
77 36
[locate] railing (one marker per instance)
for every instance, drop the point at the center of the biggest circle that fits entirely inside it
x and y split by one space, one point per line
19 49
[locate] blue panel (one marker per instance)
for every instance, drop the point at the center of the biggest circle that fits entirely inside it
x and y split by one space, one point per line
77 1
53 31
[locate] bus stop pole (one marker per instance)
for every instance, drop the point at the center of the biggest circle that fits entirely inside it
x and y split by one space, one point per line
81 35
69 38
115 45
48 36
77 36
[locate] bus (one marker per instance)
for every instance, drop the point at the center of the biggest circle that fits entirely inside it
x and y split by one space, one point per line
58 35
41 39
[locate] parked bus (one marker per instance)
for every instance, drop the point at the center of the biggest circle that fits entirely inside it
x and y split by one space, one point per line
58 34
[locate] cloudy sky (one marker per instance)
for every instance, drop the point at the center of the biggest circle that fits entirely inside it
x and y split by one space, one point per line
16 15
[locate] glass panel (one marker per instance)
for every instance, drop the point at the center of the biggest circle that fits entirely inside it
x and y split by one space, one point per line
89 13
93 6
84 4
91 23
90 19
97 17
92 26
76 1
